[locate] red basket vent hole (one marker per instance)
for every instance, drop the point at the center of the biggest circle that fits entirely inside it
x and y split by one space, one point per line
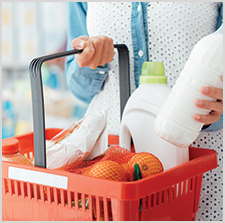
87 201
5 186
58 196
24 186
101 209
19 188
32 190
63 196
72 198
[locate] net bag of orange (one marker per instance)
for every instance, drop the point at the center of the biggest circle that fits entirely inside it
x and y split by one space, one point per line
118 164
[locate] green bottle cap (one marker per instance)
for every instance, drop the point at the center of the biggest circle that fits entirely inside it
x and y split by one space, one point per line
153 73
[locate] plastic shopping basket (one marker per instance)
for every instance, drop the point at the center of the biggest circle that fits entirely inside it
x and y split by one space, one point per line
36 193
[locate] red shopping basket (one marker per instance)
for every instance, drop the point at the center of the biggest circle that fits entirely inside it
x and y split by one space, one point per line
35 193
168 196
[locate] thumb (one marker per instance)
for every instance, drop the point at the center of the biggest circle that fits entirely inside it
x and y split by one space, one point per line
80 42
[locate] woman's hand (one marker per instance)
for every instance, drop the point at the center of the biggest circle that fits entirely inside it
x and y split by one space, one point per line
216 107
97 50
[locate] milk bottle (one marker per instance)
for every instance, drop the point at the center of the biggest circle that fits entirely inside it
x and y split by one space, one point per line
204 67
140 113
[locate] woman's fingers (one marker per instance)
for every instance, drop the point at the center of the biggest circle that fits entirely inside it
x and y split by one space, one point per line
110 52
87 54
216 111
97 50
210 105
216 107
212 92
208 119
98 45
104 51
107 51
79 42
83 42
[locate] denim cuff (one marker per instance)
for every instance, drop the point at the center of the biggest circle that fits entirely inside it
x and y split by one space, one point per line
214 126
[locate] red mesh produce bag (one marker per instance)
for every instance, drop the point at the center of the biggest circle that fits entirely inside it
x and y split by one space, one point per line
98 167
114 153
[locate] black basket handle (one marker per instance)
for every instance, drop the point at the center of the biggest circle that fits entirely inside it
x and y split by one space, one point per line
38 99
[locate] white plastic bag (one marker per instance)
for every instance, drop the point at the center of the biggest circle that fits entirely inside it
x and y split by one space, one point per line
87 138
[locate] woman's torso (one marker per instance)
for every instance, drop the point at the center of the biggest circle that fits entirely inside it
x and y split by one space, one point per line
172 30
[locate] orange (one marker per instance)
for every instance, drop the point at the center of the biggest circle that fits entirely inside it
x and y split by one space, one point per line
86 171
108 170
128 171
148 163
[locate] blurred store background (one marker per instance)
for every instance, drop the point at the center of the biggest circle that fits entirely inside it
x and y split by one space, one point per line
30 30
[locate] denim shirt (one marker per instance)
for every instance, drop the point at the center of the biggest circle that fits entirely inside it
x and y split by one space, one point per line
85 82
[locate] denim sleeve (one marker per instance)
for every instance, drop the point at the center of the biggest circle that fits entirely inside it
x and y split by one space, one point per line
220 17
83 82
215 126
219 124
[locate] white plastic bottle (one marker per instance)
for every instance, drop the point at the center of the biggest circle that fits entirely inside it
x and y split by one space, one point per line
140 113
204 67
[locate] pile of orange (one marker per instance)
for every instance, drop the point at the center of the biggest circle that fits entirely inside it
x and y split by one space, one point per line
114 170
108 170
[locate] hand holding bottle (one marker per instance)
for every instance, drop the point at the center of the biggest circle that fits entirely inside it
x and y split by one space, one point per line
197 96
215 106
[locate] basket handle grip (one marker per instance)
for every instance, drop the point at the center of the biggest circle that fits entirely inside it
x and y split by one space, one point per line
38 99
